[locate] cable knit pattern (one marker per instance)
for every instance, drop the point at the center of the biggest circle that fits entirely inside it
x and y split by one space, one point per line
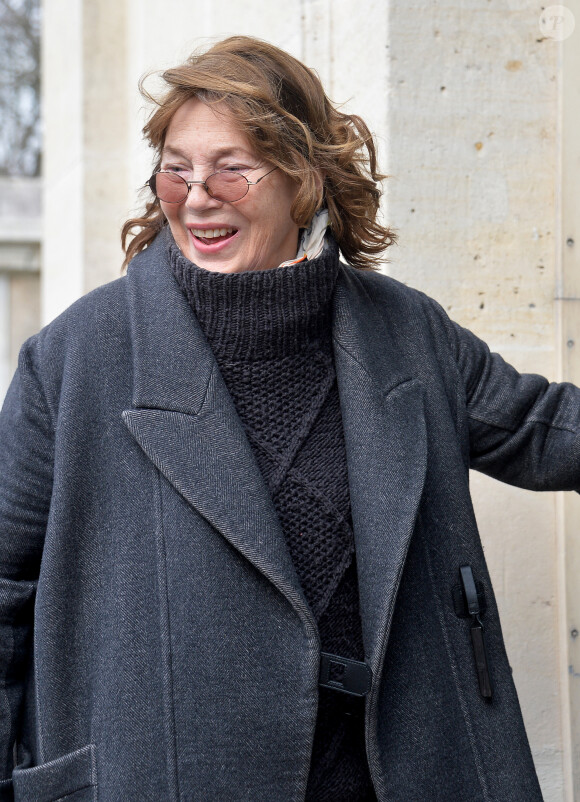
270 333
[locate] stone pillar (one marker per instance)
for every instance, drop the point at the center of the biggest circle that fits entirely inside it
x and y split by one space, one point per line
86 148
567 297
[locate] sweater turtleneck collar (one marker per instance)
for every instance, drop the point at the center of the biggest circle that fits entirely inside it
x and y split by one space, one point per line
261 314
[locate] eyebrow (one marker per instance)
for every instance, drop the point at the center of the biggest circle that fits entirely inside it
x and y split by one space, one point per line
216 154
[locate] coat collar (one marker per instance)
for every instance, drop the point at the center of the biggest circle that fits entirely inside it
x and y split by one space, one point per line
185 421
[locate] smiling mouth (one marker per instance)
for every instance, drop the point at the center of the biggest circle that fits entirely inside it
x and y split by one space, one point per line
211 236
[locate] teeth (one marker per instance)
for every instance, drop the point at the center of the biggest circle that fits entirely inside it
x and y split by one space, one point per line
211 232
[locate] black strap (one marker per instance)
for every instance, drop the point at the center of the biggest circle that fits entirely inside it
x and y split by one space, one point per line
481 663
344 675
477 637
469 589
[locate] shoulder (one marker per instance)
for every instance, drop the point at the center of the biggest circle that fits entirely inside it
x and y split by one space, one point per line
384 289
100 312
400 306
92 342
103 316
77 347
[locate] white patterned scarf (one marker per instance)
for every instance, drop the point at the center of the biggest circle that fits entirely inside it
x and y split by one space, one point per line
312 240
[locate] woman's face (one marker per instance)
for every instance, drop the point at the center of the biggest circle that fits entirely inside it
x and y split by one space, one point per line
260 233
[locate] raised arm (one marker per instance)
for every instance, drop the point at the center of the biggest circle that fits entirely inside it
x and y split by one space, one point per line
523 430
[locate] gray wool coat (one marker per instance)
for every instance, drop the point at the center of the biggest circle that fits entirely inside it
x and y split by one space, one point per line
155 643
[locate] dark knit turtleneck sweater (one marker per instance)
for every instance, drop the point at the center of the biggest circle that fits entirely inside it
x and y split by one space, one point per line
270 332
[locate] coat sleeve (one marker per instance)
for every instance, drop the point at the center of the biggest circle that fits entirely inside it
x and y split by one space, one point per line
26 469
522 429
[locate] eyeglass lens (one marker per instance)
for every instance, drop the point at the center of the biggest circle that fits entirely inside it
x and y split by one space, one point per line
226 186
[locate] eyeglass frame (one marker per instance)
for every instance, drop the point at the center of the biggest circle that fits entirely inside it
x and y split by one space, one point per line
189 184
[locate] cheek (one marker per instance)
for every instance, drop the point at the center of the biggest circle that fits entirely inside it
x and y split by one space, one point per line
170 211
276 215
173 218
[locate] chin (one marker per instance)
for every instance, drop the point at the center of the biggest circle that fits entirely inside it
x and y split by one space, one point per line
214 266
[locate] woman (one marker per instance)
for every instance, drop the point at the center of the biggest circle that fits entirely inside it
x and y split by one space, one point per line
235 488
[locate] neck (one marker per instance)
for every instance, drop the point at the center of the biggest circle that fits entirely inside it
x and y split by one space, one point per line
264 314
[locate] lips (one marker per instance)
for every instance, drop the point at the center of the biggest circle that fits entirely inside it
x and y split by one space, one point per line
211 236
209 240
212 233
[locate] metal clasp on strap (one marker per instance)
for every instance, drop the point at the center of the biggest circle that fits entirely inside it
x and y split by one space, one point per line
342 674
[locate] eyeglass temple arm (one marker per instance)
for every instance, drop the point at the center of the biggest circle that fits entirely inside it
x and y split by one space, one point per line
252 183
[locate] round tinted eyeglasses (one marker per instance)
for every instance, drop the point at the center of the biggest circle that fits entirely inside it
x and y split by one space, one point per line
226 186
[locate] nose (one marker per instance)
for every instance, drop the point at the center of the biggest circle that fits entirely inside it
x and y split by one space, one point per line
199 198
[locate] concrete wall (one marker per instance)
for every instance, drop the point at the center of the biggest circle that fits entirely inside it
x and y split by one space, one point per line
474 107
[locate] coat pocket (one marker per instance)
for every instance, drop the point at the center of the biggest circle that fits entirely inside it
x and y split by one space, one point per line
71 778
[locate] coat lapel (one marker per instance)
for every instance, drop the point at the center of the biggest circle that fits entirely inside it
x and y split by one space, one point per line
185 421
386 449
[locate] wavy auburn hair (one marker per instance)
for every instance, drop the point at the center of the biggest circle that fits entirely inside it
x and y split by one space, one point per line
281 107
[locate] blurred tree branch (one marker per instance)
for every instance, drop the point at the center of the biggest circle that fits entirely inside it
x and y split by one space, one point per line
20 133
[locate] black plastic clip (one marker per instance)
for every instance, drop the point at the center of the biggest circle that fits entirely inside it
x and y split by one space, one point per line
477 639
344 675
